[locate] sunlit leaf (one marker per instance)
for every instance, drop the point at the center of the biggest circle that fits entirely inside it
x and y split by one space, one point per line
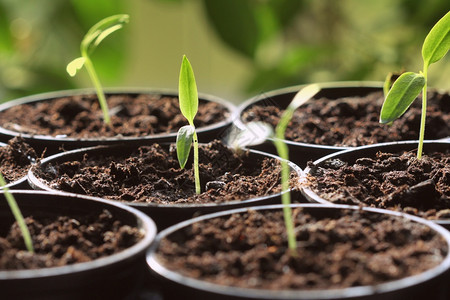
402 94
75 65
184 142
437 42
188 96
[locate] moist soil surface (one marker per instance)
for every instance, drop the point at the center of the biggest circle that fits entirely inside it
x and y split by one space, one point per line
65 240
354 121
152 174
393 181
131 116
334 250
16 159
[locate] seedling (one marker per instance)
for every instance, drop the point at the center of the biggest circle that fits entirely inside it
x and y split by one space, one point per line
188 99
91 40
261 129
17 215
409 85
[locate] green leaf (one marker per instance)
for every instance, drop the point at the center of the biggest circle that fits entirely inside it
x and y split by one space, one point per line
437 42
402 94
75 65
187 90
101 30
184 141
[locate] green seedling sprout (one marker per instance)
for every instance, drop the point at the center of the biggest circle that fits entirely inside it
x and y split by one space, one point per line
260 130
188 98
17 215
409 85
91 40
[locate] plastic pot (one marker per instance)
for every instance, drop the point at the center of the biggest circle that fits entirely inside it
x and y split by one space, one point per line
300 152
351 155
430 284
21 183
163 215
115 276
54 144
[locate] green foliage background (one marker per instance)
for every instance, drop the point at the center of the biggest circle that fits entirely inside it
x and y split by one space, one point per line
238 48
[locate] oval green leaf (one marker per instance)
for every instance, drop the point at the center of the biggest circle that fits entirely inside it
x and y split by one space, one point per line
437 42
101 30
184 142
187 91
402 94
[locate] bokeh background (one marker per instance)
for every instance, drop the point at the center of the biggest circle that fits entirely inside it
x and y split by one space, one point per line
238 48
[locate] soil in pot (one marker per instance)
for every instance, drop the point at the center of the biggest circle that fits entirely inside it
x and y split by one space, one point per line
151 174
396 181
354 121
65 240
15 160
337 249
79 116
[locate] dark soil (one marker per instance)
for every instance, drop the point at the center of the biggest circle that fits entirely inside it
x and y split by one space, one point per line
131 116
393 181
354 121
152 174
339 250
66 240
16 159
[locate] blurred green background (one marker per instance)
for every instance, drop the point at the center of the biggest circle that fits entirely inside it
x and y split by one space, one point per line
238 48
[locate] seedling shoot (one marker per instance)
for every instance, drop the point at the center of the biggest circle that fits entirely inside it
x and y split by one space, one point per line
17 215
188 99
409 85
91 40
262 129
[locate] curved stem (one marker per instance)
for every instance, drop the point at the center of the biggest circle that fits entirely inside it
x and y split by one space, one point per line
17 215
424 115
196 169
98 88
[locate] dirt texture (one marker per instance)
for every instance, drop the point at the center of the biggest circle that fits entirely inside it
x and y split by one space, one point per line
66 240
334 250
393 181
354 121
152 174
16 159
131 116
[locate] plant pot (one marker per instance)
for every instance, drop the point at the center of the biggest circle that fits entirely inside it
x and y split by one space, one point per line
16 159
113 276
396 195
342 124
135 114
145 185
227 256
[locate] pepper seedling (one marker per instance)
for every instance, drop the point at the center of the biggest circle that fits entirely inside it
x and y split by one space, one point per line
258 131
188 99
91 40
17 215
409 85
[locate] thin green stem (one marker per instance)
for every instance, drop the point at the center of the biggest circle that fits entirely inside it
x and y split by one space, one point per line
17 215
283 152
196 169
98 88
424 114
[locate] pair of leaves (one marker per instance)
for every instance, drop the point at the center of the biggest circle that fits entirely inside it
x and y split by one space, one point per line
94 37
188 98
408 86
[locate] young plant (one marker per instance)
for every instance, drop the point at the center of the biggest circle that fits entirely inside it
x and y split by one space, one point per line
91 40
409 85
260 129
188 99
17 215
